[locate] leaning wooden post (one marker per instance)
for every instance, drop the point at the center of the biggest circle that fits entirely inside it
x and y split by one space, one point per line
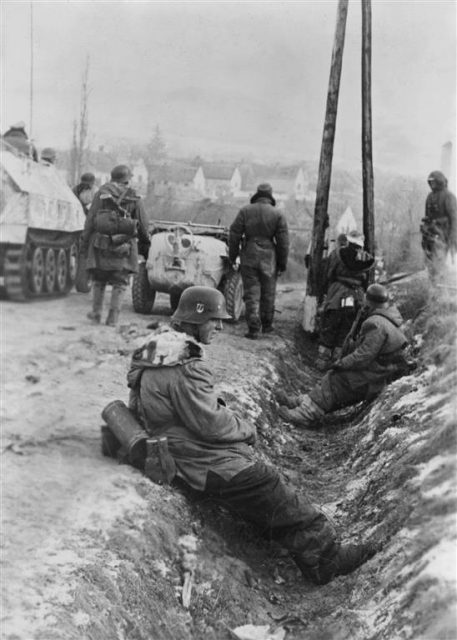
320 223
367 150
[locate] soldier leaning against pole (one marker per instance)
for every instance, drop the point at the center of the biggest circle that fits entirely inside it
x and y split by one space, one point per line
115 230
344 283
375 356
439 226
173 396
259 235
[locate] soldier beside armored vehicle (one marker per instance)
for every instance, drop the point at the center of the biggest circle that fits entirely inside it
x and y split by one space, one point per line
41 222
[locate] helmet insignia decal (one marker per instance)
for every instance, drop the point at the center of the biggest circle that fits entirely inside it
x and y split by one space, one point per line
200 307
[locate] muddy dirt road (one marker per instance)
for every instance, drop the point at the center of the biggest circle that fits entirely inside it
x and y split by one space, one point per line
91 549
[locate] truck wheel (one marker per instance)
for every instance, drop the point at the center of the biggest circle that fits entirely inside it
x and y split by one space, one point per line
143 295
233 293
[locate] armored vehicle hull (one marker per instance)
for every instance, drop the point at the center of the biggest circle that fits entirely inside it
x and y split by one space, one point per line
182 255
41 221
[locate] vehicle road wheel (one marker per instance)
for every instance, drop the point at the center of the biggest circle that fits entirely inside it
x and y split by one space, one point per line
62 271
15 270
50 271
233 293
37 271
143 295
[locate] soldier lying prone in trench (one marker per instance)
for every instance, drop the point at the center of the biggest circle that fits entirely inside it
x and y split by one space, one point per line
210 447
372 357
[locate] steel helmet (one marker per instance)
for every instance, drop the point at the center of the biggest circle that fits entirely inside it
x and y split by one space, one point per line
197 305
121 173
377 293
88 178
49 154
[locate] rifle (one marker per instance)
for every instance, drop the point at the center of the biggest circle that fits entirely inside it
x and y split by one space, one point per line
351 337
398 276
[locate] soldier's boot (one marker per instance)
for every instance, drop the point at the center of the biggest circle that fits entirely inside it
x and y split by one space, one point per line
98 293
324 358
340 561
337 353
305 415
290 400
115 306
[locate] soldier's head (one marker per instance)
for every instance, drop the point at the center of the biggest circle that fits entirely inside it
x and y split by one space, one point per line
18 126
437 181
342 240
264 190
376 296
49 155
357 238
121 173
88 178
200 313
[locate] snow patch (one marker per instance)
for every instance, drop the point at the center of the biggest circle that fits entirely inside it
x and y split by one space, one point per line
441 561
428 468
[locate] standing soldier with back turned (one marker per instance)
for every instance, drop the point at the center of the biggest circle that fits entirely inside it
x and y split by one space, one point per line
116 229
259 235
439 226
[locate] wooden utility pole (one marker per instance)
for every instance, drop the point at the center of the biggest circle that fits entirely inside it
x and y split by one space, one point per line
320 224
79 150
31 71
367 149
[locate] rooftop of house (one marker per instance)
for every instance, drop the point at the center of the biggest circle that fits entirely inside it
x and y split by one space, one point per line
215 171
280 178
173 172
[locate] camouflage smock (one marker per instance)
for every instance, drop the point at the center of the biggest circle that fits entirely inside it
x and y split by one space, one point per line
173 393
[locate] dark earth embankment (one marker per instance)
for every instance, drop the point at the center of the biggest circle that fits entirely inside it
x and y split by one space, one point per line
92 550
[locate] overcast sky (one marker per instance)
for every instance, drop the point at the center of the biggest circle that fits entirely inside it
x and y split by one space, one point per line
234 77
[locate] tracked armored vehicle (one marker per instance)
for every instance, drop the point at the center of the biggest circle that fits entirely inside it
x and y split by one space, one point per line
185 254
41 221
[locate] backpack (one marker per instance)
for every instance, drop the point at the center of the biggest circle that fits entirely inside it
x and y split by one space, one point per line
115 220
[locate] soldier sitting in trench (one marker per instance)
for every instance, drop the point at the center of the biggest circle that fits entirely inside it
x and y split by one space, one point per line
172 395
373 356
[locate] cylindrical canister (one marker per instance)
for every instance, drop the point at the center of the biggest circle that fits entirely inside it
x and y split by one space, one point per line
126 429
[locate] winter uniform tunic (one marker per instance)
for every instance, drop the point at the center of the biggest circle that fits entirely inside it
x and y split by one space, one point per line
375 360
441 210
262 232
172 394
99 238
178 399
439 226
344 285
